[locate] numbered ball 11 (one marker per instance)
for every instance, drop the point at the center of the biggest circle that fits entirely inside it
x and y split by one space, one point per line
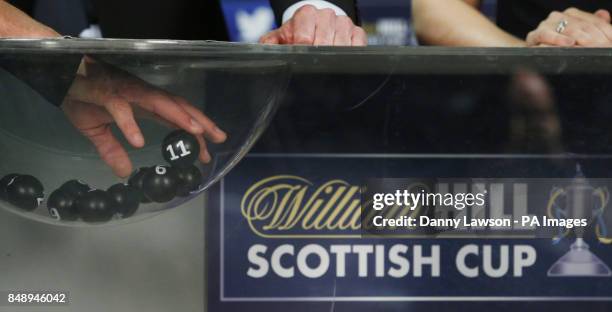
25 192
161 184
180 149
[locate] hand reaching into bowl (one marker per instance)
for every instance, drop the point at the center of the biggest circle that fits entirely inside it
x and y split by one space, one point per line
102 95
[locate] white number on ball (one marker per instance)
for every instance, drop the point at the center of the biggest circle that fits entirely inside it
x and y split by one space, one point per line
160 170
184 151
54 213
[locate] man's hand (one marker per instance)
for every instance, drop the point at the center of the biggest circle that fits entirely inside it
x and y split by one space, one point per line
102 95
573 27
16 24
311 26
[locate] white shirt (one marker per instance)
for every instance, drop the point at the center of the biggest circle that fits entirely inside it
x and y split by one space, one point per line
319 4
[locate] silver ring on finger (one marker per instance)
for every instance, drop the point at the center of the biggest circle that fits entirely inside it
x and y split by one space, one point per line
561 26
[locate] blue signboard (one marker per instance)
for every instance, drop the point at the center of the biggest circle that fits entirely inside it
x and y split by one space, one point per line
284 228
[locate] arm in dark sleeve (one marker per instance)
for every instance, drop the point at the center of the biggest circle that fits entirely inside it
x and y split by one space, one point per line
348 6
50 75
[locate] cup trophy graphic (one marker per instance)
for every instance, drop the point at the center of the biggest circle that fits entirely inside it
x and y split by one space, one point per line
579 261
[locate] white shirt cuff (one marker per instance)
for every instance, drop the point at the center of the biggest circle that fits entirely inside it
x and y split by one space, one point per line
319 4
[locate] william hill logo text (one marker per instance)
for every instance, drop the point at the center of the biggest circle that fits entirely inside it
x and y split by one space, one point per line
288 206
320 228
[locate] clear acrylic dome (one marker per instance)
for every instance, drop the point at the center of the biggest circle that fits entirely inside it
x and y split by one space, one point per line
54 125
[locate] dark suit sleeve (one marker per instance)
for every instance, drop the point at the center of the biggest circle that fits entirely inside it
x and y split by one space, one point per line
348 6
50 75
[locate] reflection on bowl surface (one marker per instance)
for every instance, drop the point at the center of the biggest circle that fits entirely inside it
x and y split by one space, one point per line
132 135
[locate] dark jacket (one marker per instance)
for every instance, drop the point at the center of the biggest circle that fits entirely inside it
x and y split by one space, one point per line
135 19
348 6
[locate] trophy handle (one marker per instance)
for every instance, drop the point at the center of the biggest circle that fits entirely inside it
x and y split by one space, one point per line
601 229
554 211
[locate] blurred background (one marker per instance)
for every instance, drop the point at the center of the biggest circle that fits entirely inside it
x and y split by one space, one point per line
387 22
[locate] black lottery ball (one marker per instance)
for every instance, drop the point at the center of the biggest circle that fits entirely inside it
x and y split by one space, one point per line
62 205
136 180
75 188
161 184
95 206
4 182
180 149
126 199
190 179
25 192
